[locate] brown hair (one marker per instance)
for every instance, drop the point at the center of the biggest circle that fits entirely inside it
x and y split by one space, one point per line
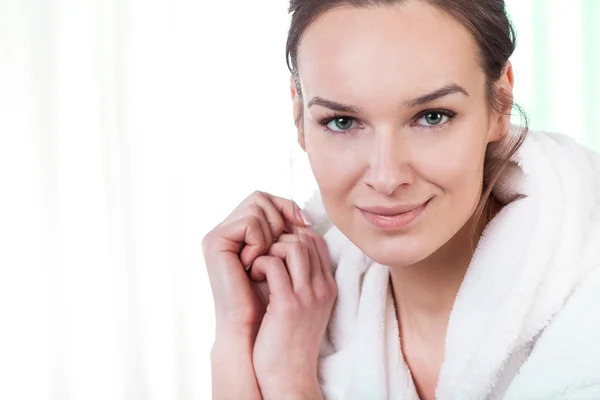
496 39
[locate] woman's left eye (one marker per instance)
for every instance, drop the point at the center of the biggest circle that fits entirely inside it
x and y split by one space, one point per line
434 118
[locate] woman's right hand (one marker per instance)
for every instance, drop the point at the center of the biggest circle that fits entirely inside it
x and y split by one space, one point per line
229 249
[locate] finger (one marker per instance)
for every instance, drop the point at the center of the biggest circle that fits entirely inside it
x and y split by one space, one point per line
231 236
305 237
274 218
273 270
266 227
325 259
290 227
245 235
289 209
258 212
225 271
295 255
323 284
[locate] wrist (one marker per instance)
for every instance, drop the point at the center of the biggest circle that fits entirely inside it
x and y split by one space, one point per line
232 344
227 353
285 389
232 371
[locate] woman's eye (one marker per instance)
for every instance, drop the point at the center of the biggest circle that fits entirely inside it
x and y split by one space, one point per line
340 124
434 118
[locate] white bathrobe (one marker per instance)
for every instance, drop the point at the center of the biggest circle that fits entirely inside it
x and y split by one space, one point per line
526 321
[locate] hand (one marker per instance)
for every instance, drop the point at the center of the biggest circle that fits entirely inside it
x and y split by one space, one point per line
302 293
230 247
247 233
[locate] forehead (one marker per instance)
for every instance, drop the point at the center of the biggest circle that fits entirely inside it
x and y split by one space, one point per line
408 48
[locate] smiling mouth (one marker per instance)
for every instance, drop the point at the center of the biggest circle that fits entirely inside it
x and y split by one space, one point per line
386 219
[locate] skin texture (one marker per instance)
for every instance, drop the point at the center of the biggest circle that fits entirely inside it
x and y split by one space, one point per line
389 153
266 233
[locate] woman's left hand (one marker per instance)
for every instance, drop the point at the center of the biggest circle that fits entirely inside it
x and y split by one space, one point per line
302 293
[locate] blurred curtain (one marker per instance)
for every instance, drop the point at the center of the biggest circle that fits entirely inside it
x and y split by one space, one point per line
556 65
100 276
128 129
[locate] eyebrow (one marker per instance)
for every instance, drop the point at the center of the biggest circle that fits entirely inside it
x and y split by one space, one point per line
412 103
319 101
436 94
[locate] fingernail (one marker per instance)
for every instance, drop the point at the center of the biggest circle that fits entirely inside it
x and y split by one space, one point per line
303 217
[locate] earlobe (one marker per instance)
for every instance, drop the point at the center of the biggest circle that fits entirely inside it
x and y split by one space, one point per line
502 126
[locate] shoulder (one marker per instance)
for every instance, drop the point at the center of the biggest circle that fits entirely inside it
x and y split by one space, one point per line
564 363
563 146
560 162
565 360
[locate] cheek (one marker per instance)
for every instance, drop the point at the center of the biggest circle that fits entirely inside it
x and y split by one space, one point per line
455 163
458 175
331 161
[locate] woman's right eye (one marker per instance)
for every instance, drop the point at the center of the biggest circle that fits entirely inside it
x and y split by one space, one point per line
340 124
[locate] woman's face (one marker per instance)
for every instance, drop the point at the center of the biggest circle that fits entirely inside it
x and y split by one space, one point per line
395 116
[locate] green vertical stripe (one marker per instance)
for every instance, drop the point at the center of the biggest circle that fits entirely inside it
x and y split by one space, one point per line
591 69
541 112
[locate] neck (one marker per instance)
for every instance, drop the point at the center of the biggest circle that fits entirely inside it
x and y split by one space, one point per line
424 293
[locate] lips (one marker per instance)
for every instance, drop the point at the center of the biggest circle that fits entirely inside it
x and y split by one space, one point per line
394 210
393 218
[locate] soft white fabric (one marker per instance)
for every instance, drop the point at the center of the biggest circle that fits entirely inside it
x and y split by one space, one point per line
526 320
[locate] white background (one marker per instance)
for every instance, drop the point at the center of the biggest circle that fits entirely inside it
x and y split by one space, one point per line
128 129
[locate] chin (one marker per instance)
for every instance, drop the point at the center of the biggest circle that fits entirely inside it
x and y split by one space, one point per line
397 260
396 252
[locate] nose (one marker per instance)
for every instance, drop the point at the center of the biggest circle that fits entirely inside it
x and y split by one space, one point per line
389 166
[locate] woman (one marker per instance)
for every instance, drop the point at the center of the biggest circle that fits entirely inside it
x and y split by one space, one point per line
463 251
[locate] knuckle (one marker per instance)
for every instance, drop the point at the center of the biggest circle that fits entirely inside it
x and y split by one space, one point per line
278 225
285 238
254 210
280 247
268 262
261 262
321 291
274 248
328 269
307 295
333 291
207 241
253 224
258 195
251 199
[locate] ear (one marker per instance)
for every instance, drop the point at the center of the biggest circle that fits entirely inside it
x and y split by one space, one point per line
502 119
297 104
